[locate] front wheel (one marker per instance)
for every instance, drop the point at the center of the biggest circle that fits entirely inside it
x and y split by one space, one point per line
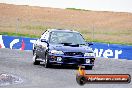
47 64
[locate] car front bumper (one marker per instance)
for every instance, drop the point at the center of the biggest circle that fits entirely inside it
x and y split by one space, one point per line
71 60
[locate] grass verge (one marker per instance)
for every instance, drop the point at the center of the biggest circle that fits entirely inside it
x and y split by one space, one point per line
37 27
77 9
108 42
18 34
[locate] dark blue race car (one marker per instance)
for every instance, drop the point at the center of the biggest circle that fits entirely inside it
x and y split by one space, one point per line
63 47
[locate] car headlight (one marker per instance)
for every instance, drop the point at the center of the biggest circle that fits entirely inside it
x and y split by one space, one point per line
88 54
59 59
56 52
87 60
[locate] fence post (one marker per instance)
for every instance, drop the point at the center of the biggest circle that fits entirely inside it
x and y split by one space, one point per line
93 32
17 25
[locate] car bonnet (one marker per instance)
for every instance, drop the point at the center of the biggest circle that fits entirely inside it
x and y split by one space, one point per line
61 47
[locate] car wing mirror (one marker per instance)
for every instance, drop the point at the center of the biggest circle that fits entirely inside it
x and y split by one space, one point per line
89 43
43 40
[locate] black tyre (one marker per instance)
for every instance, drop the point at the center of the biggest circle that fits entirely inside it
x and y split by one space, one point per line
47 64
35 62
88 67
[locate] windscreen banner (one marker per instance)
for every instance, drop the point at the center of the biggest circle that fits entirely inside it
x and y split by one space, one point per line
114 51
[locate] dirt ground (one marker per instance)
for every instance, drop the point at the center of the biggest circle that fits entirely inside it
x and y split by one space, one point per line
107 26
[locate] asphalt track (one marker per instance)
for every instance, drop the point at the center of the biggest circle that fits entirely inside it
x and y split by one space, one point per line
19 63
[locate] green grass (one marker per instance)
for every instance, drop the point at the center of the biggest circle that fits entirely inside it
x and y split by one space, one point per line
37 27
18 34
108 42
87 39
77 9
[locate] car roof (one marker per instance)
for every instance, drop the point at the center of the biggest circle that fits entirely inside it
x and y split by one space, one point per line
62 30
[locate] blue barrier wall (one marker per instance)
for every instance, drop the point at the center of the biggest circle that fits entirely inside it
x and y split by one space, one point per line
101 49
17 42
112 51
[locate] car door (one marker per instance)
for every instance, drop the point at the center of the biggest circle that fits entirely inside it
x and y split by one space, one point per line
37 46
43 45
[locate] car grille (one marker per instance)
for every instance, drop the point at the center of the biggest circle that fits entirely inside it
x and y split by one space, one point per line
73 53
71 60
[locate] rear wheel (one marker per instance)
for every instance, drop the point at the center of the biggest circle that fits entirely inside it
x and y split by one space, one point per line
35 62
47 64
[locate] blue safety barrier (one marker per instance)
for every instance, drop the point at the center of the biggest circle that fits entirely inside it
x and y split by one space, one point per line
100 49
18 42
112 51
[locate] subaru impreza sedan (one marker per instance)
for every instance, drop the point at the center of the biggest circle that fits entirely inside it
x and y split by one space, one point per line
63 47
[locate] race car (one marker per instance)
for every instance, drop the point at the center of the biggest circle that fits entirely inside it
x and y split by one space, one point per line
63 47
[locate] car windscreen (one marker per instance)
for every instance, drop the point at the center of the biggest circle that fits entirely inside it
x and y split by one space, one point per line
58 37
